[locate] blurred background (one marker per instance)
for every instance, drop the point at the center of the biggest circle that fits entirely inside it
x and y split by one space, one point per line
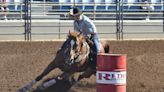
49 20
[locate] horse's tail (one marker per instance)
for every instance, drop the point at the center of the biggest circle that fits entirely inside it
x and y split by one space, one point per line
106 46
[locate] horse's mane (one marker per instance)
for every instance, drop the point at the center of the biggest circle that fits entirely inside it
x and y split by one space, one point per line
74 35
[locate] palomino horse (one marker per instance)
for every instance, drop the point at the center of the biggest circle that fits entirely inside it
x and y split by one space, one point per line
71 58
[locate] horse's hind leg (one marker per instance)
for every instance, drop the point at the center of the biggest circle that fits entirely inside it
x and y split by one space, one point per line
86 74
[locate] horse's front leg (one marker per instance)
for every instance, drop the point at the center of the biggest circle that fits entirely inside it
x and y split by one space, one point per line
87 73
68 76
49 68
65 76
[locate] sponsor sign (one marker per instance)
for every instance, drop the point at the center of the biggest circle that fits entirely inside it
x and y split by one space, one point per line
110 77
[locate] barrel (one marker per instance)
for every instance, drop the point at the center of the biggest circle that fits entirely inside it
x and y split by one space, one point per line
111 73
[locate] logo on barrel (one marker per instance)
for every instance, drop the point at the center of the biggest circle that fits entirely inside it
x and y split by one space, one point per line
118 77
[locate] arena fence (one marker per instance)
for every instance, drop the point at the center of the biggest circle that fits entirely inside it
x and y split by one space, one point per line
48 15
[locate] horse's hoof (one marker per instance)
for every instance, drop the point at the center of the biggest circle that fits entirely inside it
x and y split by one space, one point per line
59 78
27 87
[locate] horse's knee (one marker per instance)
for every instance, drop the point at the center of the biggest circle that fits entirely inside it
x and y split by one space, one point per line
82 76
85 75
39 78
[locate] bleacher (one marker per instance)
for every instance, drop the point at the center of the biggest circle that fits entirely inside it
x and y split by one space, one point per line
106 9
15 9
95 9
106 5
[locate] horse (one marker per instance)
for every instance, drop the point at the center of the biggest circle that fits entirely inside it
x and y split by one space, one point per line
73 56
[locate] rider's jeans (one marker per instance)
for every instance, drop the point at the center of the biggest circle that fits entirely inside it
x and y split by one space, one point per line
96 43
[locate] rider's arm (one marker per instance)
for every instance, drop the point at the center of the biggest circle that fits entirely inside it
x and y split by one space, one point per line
91 27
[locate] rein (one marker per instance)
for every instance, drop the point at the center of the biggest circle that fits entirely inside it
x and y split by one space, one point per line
79 55
85 56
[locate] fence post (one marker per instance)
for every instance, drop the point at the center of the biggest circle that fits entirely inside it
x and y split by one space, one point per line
27 20
163 13
111 73
119 19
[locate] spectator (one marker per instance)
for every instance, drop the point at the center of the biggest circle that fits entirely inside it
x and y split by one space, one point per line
17 7
147 6
17 4
4 8
162 8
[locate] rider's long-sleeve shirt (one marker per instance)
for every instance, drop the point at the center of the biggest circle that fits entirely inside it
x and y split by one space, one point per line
85 26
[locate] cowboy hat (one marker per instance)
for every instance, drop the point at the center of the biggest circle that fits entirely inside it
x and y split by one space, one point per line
75 11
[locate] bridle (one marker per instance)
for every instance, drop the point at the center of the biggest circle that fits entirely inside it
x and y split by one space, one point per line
79 55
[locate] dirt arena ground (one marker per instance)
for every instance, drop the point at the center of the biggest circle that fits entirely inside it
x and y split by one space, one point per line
20 62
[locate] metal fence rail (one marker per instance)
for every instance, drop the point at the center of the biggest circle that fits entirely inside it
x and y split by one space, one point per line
41 21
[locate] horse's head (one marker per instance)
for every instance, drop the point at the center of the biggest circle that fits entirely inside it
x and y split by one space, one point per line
75 48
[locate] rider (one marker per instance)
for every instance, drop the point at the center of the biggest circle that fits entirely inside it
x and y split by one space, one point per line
84 25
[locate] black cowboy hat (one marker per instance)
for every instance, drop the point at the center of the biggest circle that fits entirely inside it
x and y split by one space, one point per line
75 11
